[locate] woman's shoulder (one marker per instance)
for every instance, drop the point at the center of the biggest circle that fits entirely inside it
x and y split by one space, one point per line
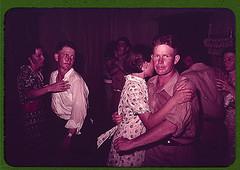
25 70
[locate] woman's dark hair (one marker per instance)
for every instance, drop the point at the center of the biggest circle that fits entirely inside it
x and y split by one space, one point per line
137 56
30 50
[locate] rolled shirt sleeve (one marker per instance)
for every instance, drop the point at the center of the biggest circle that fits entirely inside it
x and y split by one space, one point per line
180 116
183 116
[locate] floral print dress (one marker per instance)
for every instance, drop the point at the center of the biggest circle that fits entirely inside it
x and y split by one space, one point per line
134 101
35 122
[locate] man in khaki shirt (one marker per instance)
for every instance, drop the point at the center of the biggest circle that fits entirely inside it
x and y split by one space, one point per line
173 139
212 143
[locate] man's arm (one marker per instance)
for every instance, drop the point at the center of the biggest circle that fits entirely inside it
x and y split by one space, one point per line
182 94
158 132
79 106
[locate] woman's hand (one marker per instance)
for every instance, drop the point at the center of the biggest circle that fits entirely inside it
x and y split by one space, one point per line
59 86
116 118
223 85
183 94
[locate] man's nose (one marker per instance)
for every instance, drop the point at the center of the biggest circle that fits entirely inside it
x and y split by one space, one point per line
160 59
68 57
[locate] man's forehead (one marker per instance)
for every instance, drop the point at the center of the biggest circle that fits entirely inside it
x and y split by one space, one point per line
67 49
163 48
38 50
122 43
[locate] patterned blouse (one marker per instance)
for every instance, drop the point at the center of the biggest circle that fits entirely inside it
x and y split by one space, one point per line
134 101
28 79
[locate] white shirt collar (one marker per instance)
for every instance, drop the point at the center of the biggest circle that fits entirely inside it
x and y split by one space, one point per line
66 76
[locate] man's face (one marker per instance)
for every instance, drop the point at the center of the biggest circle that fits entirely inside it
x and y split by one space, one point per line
38 58
164 59
65 58
229 61
188 61
122 48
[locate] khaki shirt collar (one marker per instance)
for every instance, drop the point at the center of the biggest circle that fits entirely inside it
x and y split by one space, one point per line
168 87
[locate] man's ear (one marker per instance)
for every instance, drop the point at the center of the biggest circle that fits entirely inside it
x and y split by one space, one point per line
176 59
56 56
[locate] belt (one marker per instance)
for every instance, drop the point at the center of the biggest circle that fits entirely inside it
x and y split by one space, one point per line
107 81
170 142
117 90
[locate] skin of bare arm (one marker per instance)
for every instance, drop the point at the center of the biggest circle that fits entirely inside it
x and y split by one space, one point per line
56 87
158 132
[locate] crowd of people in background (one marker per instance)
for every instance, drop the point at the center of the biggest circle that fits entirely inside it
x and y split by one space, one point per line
161 116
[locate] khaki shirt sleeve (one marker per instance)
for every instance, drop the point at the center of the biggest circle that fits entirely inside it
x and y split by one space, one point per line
182 114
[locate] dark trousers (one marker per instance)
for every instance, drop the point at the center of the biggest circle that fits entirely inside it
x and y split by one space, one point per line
211 148
82 148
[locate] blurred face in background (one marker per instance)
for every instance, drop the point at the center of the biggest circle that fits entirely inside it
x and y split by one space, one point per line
188 61
122 48
229 61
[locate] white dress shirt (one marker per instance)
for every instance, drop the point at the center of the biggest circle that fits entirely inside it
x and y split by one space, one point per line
72 104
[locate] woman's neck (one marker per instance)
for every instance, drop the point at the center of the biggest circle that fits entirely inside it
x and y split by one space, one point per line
232 76
141 75
35 68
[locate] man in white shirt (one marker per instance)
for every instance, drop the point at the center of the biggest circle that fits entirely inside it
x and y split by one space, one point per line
70 106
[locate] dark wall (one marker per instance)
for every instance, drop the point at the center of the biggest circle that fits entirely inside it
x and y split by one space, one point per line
21 28
190 28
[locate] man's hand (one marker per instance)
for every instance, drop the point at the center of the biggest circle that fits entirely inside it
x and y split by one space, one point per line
116 118
123 144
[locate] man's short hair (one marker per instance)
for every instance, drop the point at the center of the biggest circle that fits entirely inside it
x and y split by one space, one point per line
65 43
124 39
169 40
